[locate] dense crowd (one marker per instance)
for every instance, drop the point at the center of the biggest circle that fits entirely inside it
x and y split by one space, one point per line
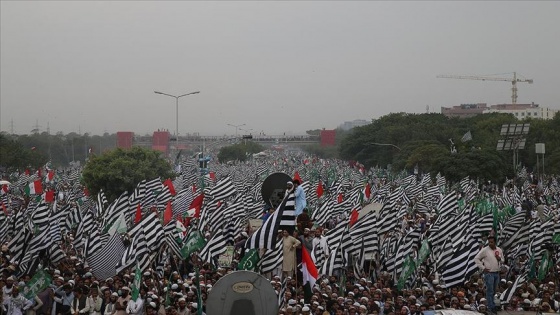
182 287
75 291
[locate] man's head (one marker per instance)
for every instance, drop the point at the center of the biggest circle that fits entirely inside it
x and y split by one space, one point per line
182 303
296 182
492 242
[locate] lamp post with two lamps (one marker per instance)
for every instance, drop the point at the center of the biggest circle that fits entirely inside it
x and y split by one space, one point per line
236 128
176 113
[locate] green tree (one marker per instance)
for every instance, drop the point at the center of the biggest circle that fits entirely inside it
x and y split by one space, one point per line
477 164
239 151
14 155
119 170
406 140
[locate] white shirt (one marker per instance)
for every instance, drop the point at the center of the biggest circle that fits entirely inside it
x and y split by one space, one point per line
486 258
16 305
95 305
6 293
135 307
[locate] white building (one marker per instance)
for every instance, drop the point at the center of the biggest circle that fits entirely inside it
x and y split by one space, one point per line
522 111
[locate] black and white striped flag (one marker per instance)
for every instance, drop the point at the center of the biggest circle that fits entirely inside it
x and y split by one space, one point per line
223 189
265 236
214 247
272 258
104 261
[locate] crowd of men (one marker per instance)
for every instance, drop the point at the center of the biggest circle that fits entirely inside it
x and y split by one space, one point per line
183 289
75 291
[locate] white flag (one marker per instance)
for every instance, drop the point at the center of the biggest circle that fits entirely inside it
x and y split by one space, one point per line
467 137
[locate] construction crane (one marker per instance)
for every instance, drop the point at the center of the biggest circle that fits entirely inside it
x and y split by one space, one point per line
513 81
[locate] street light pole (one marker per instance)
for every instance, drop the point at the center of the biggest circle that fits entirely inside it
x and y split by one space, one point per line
236 128
176 113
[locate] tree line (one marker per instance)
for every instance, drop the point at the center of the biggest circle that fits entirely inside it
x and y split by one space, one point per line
18 152
423 142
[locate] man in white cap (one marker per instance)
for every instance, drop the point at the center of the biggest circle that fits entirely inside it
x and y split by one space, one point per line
194 309
122 301
7 289
182 308
16 303
110 307
307 239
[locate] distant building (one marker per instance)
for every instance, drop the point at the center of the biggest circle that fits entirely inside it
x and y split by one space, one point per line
328 138
347 125
520 111
160 141
125 139
464 110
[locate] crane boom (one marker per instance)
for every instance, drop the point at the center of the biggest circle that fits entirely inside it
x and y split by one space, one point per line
513 81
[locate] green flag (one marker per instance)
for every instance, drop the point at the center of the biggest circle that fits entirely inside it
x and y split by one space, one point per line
194 242
37 284
137 283
118 226
556 238
532 268
249 260
408 269
423 253
544 266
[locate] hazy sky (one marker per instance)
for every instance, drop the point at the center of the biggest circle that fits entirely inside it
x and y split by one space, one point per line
277 67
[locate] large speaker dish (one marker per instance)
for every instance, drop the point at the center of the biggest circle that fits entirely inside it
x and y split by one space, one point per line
242 292
273 188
